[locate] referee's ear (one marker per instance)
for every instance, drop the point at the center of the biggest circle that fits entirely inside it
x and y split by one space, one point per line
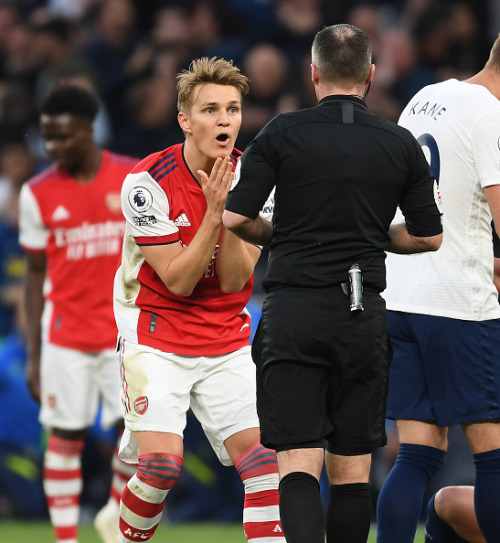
314 74
369 79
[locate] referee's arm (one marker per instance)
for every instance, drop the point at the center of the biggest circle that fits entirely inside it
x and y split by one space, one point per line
402 242
258 231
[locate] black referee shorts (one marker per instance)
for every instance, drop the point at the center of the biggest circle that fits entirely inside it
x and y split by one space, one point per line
322 371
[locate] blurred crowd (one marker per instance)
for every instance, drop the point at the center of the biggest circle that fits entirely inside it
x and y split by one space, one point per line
130 51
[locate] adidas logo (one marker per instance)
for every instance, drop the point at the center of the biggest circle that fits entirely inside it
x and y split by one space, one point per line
277 529
182 220
60 214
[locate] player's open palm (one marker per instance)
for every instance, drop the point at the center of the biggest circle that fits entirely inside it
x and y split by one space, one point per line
217 185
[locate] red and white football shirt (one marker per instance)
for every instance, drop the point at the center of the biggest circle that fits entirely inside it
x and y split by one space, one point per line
80 227
163 203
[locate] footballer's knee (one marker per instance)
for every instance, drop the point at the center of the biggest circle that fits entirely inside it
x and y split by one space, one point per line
348 469
237 444
452 502
72 435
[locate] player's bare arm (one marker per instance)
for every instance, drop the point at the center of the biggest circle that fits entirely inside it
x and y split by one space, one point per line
402 242
180 268
496 273
492 194
258 230
236 261
34 303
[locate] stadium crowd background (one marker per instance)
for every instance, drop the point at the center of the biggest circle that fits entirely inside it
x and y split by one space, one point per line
129 51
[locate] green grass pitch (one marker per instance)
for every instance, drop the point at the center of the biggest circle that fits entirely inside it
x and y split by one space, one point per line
41 532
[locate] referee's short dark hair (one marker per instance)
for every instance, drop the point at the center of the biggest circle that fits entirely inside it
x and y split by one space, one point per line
342 53
70 98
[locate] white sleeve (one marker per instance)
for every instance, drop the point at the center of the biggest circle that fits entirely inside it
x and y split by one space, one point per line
145 207
268 209
33 234
485 142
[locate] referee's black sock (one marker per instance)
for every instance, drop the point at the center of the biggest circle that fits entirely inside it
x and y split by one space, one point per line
301 509
349 513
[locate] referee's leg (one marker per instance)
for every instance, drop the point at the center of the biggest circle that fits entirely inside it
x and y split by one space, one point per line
301 507
349 509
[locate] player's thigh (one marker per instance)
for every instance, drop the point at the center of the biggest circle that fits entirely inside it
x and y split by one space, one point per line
224 399
156 388
69 398
159 442
421 432
483 436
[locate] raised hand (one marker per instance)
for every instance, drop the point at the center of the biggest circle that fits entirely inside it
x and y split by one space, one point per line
217 185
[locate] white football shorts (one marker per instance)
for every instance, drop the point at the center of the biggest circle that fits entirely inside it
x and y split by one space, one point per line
159 388
73 384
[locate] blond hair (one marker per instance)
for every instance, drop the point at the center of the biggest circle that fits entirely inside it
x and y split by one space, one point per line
493 63
203 71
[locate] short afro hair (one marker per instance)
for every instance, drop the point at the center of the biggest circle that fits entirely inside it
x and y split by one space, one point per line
70 98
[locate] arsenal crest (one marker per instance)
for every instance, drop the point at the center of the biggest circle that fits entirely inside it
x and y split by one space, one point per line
141 405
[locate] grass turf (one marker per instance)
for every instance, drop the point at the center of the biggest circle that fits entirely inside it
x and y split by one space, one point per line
41 532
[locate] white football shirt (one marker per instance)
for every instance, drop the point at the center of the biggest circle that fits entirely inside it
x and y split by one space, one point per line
458 126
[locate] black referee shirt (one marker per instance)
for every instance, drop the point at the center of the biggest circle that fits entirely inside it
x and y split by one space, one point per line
340 173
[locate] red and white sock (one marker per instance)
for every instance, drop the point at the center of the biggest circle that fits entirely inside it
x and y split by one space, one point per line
62 482
258 469
144 495
122 472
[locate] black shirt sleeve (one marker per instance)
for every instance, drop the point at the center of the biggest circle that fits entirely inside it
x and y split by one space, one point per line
255 176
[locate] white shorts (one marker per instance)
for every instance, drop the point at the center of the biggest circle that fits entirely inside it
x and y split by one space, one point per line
158 388
73 383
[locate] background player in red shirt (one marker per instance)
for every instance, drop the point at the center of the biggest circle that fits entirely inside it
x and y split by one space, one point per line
71 228
180 297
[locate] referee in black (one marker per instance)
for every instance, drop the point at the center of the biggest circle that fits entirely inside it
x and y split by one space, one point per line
322 356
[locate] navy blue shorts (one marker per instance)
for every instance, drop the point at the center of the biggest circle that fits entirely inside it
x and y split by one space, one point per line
443 370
